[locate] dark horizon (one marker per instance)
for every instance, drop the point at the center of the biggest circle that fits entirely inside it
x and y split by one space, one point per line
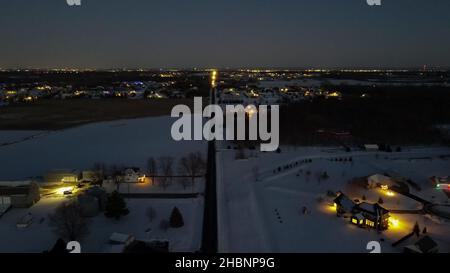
286 34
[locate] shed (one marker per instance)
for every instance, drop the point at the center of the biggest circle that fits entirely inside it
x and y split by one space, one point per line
121 238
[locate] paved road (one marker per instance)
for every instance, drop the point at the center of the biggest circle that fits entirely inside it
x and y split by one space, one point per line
209 240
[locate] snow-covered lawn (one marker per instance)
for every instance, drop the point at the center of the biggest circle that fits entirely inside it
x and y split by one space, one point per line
40 235
36 238
9 137
184 239
127 142
266 215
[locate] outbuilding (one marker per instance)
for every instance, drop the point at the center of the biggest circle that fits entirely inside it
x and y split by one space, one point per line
18 194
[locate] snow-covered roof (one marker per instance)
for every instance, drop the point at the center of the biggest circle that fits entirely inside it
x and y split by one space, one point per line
371 146
345 202
379 178
368 207
120 238
375 209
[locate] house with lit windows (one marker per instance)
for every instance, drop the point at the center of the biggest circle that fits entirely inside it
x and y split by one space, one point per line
363 214
133 175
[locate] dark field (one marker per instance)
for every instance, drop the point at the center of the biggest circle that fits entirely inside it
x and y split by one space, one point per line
60 114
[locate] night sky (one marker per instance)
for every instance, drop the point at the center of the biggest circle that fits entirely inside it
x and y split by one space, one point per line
224 33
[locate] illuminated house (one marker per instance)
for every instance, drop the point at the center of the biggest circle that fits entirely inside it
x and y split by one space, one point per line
62 176
133 175
362 214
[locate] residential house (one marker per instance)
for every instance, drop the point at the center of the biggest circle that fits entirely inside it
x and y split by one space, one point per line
18 194
133 175
62 176
370 215
362 214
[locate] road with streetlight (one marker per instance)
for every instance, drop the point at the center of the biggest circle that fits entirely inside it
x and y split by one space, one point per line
209 240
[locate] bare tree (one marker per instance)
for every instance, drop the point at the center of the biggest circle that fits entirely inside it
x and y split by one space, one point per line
151 214
166 165
152 166
68 221
193 165
99 171
185 182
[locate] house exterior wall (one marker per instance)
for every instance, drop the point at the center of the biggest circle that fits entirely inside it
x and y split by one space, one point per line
62 177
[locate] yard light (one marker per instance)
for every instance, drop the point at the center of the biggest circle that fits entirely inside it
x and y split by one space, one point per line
394 222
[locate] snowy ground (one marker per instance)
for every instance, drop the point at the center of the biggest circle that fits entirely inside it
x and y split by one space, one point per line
266 215
127 142
11 137
185 239
124 142
40 235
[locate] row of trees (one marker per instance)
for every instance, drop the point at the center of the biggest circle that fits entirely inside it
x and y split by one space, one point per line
163 169
192 165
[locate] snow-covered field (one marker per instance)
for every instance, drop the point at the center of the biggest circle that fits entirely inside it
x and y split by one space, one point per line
127 142
40 235
266 215
11 137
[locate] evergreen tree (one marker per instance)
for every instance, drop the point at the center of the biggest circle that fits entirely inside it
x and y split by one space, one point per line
176 219
115 206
